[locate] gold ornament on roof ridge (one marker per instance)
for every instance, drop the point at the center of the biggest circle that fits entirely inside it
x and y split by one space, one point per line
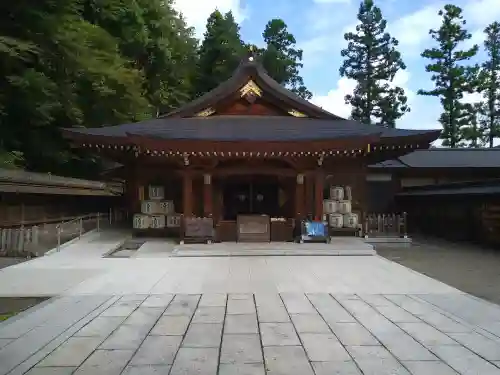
206 112
296 113
251 88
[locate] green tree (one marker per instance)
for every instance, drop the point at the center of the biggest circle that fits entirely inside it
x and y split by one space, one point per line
372 60
452 78
57 70
282 59
472 133
154 38
489 79
220 52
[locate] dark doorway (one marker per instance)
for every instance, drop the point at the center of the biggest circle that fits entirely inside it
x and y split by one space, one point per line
256 196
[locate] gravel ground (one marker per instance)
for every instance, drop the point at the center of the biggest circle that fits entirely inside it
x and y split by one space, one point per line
470 268
11 306
6 262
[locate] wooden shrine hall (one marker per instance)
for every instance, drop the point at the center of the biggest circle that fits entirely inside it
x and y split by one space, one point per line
250 158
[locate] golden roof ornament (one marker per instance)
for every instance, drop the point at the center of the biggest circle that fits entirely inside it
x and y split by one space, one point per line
295 113
206 112
250 88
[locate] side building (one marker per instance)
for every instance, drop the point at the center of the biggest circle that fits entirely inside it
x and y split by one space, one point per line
452 193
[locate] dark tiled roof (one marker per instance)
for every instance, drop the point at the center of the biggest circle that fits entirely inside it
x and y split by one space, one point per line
453 158
247 128
446 158
460 188
43 183
389 164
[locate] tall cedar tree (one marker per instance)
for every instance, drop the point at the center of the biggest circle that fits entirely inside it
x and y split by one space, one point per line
452 78
490 85
220 52
282 59
373 61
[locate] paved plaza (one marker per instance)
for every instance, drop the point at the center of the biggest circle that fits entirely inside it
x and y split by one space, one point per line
255 334
273 315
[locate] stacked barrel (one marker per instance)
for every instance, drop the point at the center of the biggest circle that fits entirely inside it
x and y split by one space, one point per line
156 212
338 208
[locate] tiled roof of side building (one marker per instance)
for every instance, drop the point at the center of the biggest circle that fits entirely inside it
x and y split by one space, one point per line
447 158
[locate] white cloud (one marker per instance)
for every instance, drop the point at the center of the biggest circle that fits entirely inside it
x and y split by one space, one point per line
412 30
334 101
196 12
472 98
481 12
314 49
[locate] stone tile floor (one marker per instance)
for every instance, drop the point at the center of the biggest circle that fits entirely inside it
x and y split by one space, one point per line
255 334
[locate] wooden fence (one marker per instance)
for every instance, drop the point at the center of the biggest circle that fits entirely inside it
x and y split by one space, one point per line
386 225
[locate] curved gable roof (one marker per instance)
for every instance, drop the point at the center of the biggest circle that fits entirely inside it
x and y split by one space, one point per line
250 69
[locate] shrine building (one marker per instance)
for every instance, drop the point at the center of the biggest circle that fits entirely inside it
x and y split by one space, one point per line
248 148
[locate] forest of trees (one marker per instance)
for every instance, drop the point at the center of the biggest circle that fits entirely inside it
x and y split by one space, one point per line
89 63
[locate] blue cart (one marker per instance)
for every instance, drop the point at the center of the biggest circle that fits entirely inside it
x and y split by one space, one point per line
313 231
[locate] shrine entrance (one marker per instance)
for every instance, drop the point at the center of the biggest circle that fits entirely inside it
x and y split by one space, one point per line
251 195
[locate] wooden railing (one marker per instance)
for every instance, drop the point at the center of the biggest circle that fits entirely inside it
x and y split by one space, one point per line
386 225
27 240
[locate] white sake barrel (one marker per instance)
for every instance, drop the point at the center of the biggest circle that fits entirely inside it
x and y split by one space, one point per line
336 193
336 220
351 220
344 207
173 221
150 207
348 193
167 207
141 221
157 221
329 206
156 192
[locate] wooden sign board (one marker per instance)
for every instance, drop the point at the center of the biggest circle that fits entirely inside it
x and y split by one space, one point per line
198 228
254 228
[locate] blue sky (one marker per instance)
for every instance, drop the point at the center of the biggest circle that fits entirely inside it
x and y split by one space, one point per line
319 26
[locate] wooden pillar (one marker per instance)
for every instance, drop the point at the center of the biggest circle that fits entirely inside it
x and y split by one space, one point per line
187 194
207 195
318 194
309 210
133 190
299 196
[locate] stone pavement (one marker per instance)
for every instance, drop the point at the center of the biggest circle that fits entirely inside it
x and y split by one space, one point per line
255 334
83 269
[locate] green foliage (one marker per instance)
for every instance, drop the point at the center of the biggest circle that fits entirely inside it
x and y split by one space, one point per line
371 59
220 52
155 40
489 85
281 59
452 78
472 133
11 160
85 63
